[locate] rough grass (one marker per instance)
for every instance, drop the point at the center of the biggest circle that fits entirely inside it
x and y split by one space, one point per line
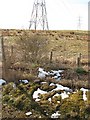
63 43
65 47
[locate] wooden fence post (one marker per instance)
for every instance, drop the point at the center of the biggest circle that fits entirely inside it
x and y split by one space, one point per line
4 67
51 56
78 62
11 53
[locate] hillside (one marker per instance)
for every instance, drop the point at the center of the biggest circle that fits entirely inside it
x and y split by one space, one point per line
64 43
65 47
39 58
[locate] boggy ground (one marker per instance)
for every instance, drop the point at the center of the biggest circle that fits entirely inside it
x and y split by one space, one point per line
52 98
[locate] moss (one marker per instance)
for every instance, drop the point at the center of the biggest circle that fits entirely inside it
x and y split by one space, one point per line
6 98
74 106
7 88
57 98
21 100
88 95
18 103
44 86
15 93
80 71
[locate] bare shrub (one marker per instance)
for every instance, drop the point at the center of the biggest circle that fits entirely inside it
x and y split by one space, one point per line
34 48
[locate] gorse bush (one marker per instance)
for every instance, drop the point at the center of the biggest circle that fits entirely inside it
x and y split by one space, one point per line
80 70
71 108
8 88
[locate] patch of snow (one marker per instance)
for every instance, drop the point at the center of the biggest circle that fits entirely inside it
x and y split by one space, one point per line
54 74
51 84
68 89
64 95
40 117
56 95
24 81
84 93
68 93
46 113
42 73
40 69
28 113
36 93
50 99
37 99
57 77
57 74
83 89
57 71
2 81
55 115
14 85
60 87
60 71
43 82
58 101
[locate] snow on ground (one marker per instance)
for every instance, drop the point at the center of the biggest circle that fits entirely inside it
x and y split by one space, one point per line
84 93
56 95
43 82
56 74
60 87
57 77
28 113
42 73
51 84
36 93
37 99
50 99
24 81
14 85
55 115
56 71
2 81
64 95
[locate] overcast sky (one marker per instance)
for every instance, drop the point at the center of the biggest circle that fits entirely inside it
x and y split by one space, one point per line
61 14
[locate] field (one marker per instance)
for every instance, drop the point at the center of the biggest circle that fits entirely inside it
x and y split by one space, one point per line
62 50
24 52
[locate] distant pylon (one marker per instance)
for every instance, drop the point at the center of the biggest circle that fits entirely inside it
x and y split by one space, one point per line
39 16
79 23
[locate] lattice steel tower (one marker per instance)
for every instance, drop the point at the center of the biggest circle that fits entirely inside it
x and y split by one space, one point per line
39 16
79 23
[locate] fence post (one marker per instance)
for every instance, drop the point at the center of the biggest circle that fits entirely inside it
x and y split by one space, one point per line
4 67
51 56
11 53
78 62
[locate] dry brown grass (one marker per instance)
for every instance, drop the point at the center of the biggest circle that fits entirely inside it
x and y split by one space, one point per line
65 45
74 84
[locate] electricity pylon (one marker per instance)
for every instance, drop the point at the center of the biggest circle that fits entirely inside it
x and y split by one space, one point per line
79 23
39 16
